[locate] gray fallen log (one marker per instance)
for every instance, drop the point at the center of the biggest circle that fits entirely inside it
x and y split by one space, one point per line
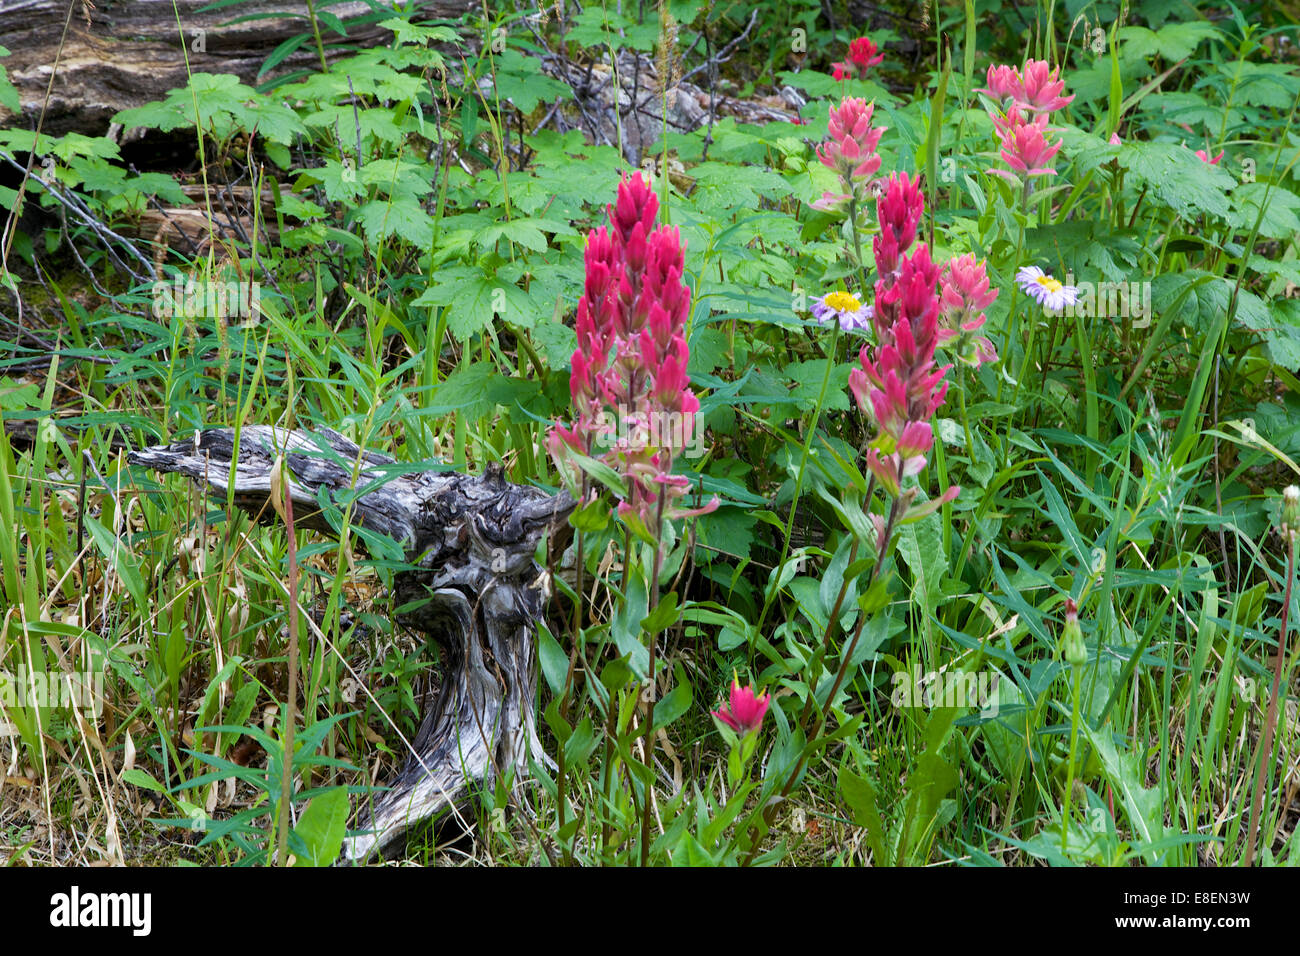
474 587
123 53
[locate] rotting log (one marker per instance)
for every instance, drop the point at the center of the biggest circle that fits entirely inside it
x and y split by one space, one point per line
473 586
124 53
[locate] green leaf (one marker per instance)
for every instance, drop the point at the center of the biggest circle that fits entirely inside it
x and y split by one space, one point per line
728 530
860 797
9 98
1280 220
475 298
140 778
419 33
75 144
555 663
120 558
1142 805
920 544
1177 41
1272 85
521 81
676 702
1178 178
591 517
664 616
159 116
403 218
321 828
340 181
808 377
519 231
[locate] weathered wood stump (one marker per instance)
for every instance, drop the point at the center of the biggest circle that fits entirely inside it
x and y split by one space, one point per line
473 586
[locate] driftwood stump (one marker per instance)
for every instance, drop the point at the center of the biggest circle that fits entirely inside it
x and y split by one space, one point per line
473 587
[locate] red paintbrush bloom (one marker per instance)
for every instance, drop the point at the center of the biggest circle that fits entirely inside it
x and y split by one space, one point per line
631 357
897 382
1032 92
747 709
863 55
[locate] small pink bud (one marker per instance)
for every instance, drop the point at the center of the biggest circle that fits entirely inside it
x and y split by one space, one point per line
746 711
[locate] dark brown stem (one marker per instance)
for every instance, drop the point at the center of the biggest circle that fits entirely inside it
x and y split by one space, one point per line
831 626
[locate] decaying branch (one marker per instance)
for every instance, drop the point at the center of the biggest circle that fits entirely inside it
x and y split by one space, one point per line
473 586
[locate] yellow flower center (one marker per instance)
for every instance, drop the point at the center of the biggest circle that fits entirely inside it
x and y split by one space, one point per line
1048 283
842 302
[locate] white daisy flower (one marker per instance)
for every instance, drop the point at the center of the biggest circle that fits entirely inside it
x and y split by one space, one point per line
1049 292
844 306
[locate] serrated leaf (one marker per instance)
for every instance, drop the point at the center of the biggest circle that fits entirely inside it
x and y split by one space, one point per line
521 81
808 377
419 33
1281 206
404 218
1179 179
1272 85
475 298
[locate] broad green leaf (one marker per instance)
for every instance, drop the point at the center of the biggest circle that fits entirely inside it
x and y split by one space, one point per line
322 827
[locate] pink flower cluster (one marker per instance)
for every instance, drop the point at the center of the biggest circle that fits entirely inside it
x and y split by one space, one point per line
1035 89
632 356
1031 95
964 295
850 151
898 384
862 57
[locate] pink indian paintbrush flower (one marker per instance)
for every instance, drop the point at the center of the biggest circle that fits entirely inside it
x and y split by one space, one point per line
746 710
897 383
898 211
964 294
1003 82
1031 93
1205 157
1006 123
631 358
1042 88
1025 147
863 55
850 152
1035 87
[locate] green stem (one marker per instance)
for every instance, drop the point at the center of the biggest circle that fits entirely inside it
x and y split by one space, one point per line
649 744
1069 772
